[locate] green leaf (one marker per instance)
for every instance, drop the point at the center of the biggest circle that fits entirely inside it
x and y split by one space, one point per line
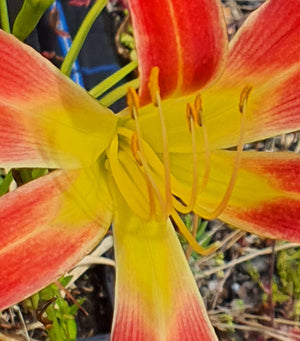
29 16
4 16
4 185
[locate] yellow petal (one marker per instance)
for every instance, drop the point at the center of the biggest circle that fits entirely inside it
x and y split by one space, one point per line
156 296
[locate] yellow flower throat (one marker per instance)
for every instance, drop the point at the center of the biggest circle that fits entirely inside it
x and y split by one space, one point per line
162 201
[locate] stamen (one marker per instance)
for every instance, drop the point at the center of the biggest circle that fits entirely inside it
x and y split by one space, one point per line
190 239
195 223
156 100
198 107
151 183
135 148
227 195
138 151
133 106
194 115
148 179
244 98
153 85
133 102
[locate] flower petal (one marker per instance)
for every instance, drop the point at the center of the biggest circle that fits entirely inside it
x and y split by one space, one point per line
264 54
47 226
273 108
188 42
266 196
128 176
267 43
46 120
174 111
156 295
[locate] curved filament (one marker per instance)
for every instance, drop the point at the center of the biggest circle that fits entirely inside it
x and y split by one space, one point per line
195 119
148 179
189 249
227 195
139 155
156 100
190 239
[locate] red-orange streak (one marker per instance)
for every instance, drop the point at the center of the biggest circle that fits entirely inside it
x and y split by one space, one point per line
130 323
40 260
36 201
279 219
23 76
266 41
283 174
187 43
188 322
39 241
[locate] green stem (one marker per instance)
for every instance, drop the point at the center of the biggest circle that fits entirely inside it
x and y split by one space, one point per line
81 35
110 81
118 93
4 16
55 332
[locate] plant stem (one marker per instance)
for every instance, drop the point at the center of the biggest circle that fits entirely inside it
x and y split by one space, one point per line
81 35
110 81
118 93
4 16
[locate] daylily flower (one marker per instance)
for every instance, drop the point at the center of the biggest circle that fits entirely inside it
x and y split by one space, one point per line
151 162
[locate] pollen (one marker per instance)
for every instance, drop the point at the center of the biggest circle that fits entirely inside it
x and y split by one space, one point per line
244 97
153 85
133 102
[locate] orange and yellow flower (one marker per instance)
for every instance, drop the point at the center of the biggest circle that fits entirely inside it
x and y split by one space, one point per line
153 161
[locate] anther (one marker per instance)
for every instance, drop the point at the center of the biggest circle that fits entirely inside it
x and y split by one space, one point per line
244 98
153 85
133 102
198 108
135 149
192 116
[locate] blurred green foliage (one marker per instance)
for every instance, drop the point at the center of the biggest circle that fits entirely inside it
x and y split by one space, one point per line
54 312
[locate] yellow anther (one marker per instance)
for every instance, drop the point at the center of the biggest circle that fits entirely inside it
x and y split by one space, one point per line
192 116
198 108
153 85
135 149
244 98
133 102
